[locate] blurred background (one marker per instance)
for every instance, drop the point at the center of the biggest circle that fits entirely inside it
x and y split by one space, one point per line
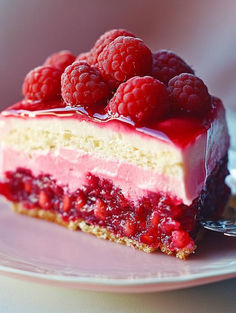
202 32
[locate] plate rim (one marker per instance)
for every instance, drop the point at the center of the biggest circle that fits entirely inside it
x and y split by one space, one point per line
116 282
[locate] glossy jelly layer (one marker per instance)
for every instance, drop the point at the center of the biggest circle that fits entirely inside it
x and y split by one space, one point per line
172 128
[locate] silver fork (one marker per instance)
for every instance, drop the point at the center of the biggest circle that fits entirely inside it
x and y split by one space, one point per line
227 227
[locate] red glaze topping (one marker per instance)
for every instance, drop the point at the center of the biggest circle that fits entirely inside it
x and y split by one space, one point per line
179 129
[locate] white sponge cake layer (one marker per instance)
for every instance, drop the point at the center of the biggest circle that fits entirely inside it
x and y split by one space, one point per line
52 134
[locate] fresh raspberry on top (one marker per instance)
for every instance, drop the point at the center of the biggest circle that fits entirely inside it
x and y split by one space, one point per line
124 58
86 57
189 94
107 38
82 84
140 98
166 65
60 59
42 83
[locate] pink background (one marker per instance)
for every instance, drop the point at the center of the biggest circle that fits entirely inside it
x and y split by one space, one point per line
203 32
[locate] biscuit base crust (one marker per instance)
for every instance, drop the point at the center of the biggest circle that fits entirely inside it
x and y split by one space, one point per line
96 230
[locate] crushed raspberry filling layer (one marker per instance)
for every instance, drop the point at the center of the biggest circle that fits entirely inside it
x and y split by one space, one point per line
153 220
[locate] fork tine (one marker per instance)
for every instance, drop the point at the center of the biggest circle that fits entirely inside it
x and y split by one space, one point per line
218 229
227 222
231 233
228 228
220 225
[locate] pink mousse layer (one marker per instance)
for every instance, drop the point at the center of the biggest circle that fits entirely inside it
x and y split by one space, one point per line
70 168
202 144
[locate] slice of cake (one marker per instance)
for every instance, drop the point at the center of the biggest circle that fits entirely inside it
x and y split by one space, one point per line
135 151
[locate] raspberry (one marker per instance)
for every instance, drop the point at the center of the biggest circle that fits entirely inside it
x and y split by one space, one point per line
155 218
181 239
80 201
124 58
44 200
66 203
129 228
107 38
83 84
147 239
28 185
60 59
42 83
168 225
189 94
86 57
166 65
100 209
140 98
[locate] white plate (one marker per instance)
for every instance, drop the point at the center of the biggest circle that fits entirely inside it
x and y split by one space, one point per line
44 252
